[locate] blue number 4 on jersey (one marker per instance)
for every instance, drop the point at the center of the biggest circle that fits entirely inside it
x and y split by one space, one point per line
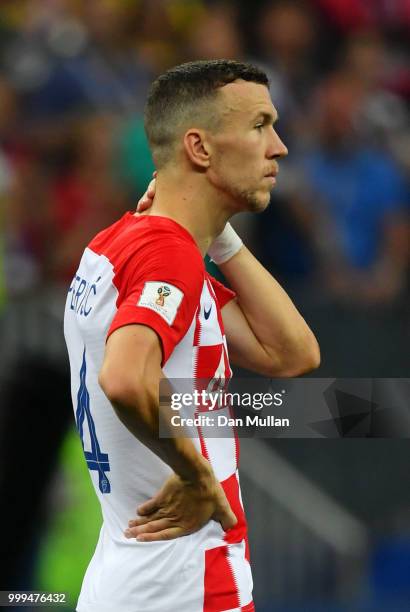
96 460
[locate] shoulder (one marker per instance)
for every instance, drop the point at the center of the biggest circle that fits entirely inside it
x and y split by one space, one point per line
155 252
147 241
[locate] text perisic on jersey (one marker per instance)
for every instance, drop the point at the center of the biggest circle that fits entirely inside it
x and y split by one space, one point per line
82 292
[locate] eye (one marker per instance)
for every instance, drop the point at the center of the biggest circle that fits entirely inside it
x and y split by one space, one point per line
259 126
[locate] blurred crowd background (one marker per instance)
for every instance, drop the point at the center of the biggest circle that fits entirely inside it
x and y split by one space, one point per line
74 157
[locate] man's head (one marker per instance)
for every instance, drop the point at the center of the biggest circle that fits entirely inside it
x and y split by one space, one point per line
218 115
337 106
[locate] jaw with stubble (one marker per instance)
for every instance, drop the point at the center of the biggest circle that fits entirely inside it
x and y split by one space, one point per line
238 196
251 200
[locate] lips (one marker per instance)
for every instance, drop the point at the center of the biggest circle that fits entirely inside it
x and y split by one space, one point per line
271 179
271 174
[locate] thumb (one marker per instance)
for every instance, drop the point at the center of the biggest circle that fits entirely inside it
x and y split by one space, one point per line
152 187
143 204
226 517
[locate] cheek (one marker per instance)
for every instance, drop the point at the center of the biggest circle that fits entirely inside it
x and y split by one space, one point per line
229 162
247 158
238 160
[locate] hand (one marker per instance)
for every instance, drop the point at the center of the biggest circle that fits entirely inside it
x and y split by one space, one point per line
146 200
181 508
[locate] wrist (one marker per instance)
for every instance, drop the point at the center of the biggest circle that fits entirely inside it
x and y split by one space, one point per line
182 456
204 481
198 472
225 246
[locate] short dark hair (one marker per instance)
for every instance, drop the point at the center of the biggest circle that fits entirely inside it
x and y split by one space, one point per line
185 94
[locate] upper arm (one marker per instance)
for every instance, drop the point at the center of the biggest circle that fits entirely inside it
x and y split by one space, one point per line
132 361
245 350
144 330
160 290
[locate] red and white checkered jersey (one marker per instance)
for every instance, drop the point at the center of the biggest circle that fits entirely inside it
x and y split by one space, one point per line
148 270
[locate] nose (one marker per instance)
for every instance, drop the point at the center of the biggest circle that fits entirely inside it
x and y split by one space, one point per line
282 148
277 148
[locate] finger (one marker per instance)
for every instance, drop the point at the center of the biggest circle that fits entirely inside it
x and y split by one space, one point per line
151 187
154 174
146 200
226 517
150 506
228 521
150 193
166 534
141 521
143 204
150 527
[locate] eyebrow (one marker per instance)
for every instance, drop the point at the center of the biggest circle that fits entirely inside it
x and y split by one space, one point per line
267 117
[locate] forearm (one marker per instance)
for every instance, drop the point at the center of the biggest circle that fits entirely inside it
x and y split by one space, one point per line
271 314
145 419
130 378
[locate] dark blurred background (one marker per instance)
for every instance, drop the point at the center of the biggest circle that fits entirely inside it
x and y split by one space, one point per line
329 519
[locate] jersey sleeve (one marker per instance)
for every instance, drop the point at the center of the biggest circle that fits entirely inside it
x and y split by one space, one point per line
222 293
161 288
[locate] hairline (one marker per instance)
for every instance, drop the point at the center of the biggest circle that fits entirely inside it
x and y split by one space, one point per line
205 112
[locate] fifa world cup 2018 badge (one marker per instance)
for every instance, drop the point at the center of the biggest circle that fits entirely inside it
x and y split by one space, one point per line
163 292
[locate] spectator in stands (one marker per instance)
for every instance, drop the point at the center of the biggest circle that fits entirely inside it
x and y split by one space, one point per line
69 61
380 73
285 31
357 197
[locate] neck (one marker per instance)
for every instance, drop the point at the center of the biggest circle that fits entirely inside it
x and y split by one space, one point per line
193 203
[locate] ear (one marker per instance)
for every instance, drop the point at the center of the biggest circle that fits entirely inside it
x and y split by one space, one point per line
197 147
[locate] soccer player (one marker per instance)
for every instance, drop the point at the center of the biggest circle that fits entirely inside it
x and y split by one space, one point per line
141 308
